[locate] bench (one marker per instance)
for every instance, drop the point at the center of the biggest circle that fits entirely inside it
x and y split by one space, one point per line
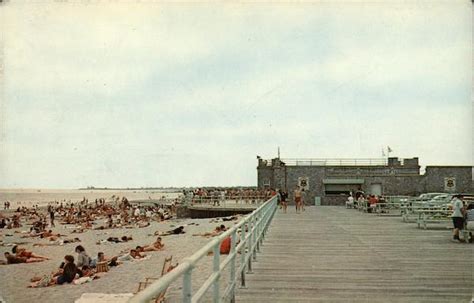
432 215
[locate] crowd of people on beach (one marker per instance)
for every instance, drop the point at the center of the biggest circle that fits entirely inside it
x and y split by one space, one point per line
216 196
81 217
84 216
84 268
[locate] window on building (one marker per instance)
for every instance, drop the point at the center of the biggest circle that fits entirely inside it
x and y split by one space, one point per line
341 186
338 189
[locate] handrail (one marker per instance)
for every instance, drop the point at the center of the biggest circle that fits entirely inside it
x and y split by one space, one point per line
252 231
335 161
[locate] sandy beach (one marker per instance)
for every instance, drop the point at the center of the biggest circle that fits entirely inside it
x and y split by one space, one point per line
14 279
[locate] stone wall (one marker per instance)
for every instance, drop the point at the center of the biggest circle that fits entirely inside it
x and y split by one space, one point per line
265 174
315 175
433 179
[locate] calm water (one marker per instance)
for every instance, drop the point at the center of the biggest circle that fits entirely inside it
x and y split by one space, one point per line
29 197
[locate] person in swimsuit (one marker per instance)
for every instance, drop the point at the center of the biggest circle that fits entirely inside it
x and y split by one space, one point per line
155 246
23 253
12 259
297 199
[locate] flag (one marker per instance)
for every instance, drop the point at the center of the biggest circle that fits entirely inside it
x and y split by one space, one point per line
383 152
389 149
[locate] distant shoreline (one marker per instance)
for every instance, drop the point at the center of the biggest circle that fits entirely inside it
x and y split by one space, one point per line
133 188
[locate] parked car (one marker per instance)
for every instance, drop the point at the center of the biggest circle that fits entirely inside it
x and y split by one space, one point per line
428 196
440 200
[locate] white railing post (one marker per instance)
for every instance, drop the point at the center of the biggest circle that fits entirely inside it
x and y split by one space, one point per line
242 256
249 247
259 225
254 237
233 252
216 269
187 286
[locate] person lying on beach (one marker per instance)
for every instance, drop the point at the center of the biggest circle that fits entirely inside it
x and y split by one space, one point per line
78 230
230 218
133 255
57 242
49 233
143 224
155 246
23 253
115 240
12 259
219 229
102 258
43 234
176 231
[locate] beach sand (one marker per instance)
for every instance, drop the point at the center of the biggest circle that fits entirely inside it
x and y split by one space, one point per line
14 279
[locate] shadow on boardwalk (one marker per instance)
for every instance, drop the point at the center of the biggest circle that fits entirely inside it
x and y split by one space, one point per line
333 254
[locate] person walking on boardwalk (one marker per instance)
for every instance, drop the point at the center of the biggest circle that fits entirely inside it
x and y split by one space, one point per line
303 198
457 216
283 196
297 194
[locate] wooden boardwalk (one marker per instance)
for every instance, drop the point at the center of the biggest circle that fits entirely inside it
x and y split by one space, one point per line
333 254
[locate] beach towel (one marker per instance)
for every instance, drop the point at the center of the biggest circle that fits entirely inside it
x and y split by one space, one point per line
82 280
45 281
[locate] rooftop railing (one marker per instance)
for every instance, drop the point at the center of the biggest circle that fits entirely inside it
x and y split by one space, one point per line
250 232
336 162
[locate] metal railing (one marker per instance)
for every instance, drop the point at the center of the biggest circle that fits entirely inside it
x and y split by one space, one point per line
229 199
250 231
336 162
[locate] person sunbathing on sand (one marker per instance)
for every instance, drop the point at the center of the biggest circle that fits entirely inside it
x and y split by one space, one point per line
102 258
49 233
12 259
142 224
219 229
55 242
176 231
115 240
133 255
23 253
155 246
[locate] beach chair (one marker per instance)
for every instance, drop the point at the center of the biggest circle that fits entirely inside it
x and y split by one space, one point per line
167 267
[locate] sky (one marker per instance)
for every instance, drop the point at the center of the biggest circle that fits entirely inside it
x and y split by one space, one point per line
131 94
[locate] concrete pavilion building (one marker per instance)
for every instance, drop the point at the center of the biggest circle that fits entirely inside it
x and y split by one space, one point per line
331 180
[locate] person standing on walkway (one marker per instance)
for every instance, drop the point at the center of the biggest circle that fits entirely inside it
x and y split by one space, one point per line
297 194
303 198
283 196
457 216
